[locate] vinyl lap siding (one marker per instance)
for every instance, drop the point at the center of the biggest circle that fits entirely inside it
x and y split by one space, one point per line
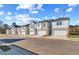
42 28
60 30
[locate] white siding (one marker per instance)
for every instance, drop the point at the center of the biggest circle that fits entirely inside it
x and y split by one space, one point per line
19 32
32 28
65 23
39 27
7 31
63 28
42 28
23 30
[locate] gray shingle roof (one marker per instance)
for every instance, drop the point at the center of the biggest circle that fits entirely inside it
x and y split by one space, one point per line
66 18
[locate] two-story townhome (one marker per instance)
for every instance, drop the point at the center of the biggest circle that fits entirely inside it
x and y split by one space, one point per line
53 27
32 28
8 31
14 29
24 30
60 27
44 28
19 30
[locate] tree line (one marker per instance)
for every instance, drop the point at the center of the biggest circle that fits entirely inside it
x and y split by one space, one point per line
3 27
74 30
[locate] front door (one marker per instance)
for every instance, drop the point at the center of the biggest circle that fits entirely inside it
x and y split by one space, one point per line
50 28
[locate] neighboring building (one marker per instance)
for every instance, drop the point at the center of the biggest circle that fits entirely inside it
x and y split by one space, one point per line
14 30
44 28
24 30
19 30
60 27
57 27
53 27
8 31
32 28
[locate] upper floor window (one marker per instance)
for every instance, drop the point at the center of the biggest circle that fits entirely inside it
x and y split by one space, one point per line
22 27
31 26
49 24
59 23
38 25
44 24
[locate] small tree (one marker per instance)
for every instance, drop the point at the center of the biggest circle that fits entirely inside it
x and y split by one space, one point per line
3 28
6 26
13 23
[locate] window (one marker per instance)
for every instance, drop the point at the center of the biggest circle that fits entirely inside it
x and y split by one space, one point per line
22 27
31 26
38 25
44 24
59 23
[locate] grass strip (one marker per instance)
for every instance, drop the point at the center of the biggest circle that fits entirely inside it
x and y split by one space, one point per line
4 48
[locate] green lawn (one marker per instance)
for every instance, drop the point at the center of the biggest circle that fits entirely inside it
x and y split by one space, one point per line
73 36
4 48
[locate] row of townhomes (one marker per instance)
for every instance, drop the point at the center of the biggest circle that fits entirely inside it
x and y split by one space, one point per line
51 27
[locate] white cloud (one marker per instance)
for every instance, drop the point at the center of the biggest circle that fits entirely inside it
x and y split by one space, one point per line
30 6
21 19
37 19
9 13
33 12
54 17
24 18
8 17
46 17
69 9
64 15
33 8
1 13
40 7
57 10
1 5
25 6
72 5
77 21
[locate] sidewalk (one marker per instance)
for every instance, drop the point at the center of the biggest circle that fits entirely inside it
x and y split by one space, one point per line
50 37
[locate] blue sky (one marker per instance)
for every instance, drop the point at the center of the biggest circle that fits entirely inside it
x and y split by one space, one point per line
24 13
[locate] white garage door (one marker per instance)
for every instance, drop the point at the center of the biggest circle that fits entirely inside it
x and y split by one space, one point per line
23 33
60 32
41 33
32 33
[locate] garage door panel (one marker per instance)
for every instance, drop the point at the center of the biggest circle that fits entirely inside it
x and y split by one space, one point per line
60 32
23 33
41 32
32 33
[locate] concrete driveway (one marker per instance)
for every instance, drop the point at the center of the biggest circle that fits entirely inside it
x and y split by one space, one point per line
50 46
